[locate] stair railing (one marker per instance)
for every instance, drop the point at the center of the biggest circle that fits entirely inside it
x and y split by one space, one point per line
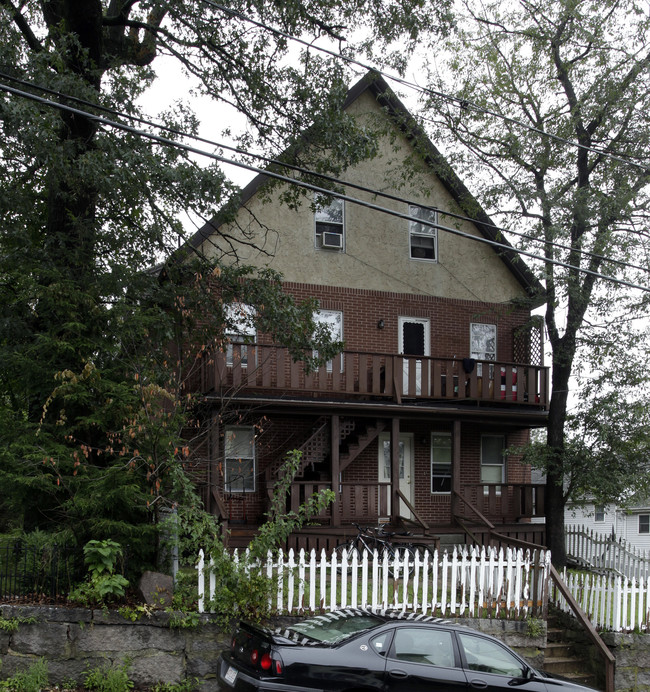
590 630
581 616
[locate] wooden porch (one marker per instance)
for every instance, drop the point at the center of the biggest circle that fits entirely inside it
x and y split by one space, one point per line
266 369
513 509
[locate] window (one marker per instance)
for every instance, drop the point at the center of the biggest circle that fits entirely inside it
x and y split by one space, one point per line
333 320
239 329
483 341
384 459
486 656
644 523
419 645
599 513
423 238
441 463
330 223
239 452
483 345
493 459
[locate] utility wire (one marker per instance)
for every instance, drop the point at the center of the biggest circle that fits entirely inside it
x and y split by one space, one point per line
462 103
315 188
323 176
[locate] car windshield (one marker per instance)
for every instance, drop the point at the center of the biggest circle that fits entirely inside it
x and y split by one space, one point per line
334 627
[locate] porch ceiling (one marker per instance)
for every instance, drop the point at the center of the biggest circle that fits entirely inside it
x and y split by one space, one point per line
506 416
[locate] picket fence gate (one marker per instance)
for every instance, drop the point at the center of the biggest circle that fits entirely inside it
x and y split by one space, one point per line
599 551
474 582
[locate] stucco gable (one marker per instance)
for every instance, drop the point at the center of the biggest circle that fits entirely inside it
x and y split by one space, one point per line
376 250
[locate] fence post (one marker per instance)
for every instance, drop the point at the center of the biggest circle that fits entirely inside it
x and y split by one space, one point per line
201 584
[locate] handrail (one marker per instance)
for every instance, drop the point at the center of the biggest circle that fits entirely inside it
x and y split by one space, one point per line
391 354
485 520
581 616
418 518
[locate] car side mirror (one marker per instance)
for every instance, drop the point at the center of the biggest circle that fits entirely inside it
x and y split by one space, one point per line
528 674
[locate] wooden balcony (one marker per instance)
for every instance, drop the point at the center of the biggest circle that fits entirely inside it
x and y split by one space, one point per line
265 369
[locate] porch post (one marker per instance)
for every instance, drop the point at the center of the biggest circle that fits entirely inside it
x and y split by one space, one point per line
213 461
336 469
394 471
455 469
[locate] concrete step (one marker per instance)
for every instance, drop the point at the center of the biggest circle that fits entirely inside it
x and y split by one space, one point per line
556 649
560 658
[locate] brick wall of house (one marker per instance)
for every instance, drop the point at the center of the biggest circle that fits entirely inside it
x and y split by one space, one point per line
450 319
449 337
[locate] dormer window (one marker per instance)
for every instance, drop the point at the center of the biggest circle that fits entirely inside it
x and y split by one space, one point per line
330 223
423 238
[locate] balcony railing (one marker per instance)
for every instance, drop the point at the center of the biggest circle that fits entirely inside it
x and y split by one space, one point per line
270 369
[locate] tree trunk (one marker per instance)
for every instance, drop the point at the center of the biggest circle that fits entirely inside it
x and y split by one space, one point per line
555 468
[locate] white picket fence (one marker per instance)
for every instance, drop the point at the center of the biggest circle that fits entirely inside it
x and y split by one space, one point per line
603 552
509 584
612 603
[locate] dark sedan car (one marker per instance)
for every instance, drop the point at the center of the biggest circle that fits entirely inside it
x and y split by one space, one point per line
358 651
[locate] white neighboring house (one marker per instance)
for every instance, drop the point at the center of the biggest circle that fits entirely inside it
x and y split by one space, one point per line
631 524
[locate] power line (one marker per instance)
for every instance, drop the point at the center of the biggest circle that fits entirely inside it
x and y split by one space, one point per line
309 186
462 103
323 176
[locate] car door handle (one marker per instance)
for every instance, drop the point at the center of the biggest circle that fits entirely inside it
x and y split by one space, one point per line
399 674
478 684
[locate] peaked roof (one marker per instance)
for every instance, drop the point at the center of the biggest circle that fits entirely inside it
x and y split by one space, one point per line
376 85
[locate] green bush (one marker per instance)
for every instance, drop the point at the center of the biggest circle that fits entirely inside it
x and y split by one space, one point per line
109 679
31 680
103 583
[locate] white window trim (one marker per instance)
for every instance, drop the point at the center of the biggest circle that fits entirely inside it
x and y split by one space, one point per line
420 234
643 533
320 313
240 314
318 235
440 492
252 457
504 474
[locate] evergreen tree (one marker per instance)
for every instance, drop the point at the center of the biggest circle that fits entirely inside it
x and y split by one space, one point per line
96 349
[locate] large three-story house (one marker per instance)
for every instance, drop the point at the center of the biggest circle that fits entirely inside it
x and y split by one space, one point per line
442 371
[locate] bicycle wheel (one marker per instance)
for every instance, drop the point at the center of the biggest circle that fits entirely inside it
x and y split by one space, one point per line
350 550
406 563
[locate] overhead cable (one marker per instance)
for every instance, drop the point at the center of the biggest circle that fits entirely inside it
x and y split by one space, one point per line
309 186
322 176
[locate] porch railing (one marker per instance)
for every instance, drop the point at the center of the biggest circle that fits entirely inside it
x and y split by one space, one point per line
510 501
367 501
394 377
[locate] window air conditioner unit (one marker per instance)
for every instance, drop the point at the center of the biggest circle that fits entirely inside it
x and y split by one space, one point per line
333 240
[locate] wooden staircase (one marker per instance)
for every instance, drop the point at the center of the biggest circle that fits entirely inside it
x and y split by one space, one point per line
561 658
355 444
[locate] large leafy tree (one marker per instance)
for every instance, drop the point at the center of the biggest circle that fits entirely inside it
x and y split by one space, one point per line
94 349
552 119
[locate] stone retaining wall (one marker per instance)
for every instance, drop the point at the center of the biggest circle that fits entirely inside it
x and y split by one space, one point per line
632 652
74 640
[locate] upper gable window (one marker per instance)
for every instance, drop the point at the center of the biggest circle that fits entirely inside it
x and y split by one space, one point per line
330 223
423 238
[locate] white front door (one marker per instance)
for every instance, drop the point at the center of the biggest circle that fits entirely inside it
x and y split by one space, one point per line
414 340
406 474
